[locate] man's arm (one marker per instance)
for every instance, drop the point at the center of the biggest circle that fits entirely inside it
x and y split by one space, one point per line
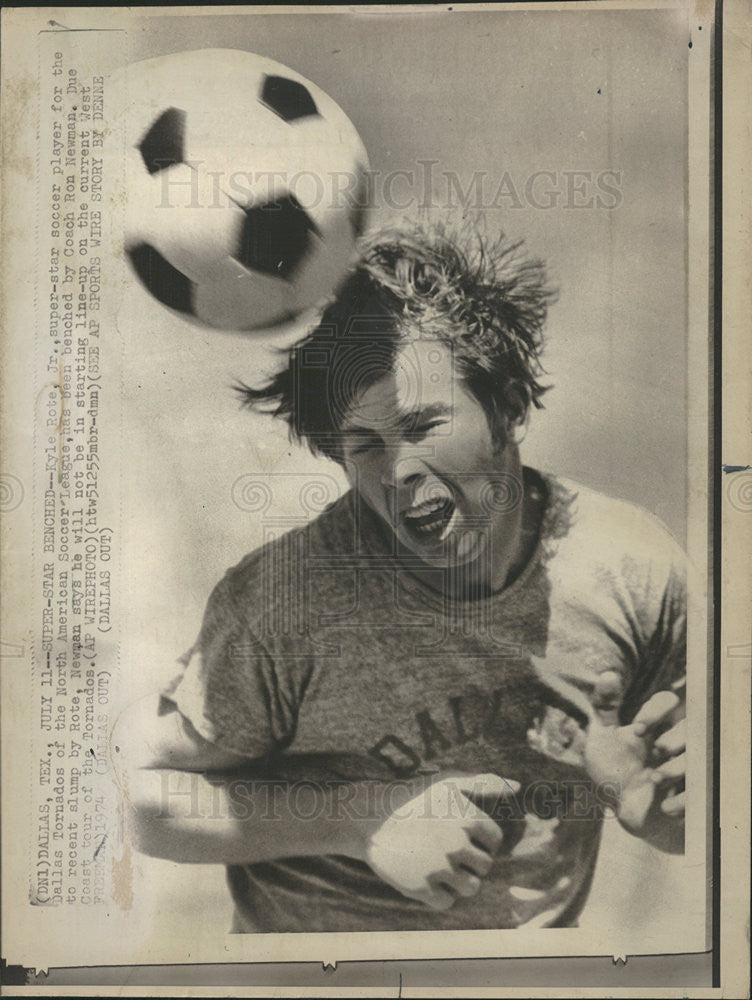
190 801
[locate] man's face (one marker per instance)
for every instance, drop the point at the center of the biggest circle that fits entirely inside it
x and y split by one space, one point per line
418 447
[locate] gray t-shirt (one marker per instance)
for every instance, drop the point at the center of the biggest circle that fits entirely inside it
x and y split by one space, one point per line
322 656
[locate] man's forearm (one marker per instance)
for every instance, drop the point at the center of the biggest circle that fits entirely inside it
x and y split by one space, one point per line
190 817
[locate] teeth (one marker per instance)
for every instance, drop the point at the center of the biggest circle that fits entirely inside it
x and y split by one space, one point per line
432 518
435 494
427 508
425 529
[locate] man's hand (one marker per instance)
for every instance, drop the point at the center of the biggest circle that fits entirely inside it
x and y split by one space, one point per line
439 844
670 776
646 764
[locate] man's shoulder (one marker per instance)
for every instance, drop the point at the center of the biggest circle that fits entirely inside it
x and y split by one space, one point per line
613 528
277 570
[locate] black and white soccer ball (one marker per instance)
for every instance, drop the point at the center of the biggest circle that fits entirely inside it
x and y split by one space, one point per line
246 187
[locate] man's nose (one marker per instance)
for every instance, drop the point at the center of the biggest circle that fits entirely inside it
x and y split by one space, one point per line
401 468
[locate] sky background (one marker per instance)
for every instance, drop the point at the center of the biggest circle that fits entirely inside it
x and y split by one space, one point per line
506 94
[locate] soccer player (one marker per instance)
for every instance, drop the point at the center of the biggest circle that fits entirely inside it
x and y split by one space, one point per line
414 712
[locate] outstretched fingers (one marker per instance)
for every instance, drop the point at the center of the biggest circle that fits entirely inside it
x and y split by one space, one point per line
673 741
674 769
656 711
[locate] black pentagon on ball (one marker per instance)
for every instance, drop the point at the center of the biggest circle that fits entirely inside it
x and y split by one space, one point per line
163 145
287 98
168 285
275 237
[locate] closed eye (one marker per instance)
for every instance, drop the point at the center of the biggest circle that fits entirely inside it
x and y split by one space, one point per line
422 430
366 442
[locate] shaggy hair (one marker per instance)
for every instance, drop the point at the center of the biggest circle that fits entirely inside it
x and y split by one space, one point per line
479 298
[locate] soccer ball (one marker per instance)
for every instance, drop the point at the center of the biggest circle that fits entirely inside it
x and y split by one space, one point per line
245 187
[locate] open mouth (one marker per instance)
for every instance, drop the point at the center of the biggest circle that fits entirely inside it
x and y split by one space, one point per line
429 521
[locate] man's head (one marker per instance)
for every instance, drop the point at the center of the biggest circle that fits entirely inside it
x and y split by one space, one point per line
417 376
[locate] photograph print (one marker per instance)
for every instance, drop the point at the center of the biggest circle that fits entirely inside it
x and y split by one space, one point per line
403 444
455 650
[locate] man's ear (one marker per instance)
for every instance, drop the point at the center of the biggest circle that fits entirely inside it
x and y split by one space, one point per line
515 416
499 425
518 430
508 429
